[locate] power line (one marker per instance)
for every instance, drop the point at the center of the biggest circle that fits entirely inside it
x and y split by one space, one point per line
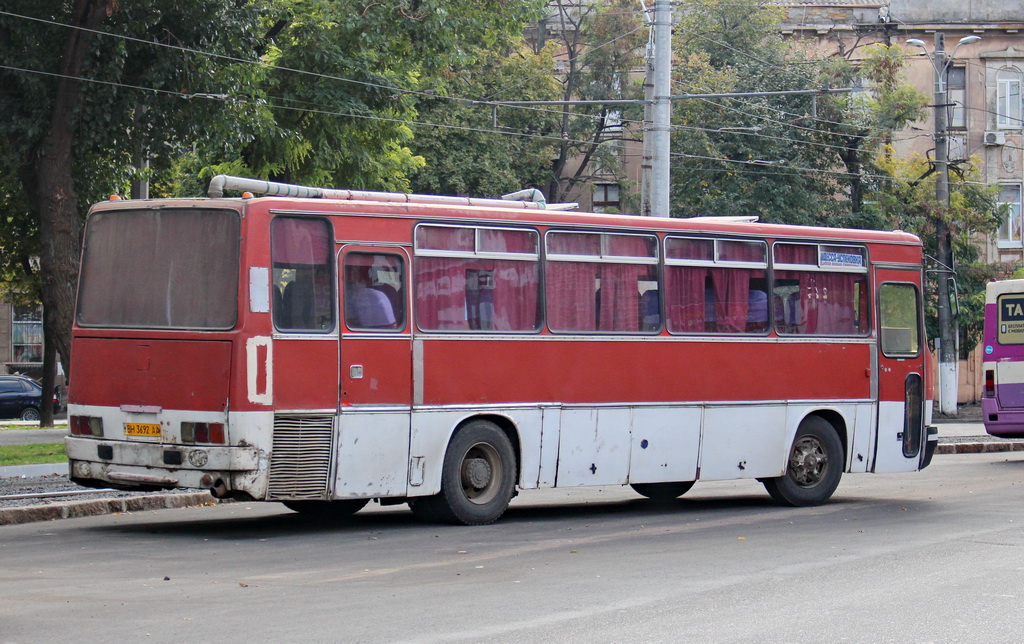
427 124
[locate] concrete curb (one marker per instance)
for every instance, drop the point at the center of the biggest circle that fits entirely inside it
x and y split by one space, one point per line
41 469
96 507
979 447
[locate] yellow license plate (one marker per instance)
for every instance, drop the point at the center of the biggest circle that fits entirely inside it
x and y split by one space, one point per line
142 429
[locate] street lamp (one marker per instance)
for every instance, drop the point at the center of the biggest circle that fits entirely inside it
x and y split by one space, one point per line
948 378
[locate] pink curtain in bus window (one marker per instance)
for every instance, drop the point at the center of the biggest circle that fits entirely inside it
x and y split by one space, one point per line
825 304
300 241
620 296
685 298
620 291
796 254
572 300
836 305
515 282
477 294
571 295
515 295
455 294
798 312
731 297
441 294
732 288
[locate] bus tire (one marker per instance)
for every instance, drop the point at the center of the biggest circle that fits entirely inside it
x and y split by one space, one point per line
327 510
814 467
662 491
478 478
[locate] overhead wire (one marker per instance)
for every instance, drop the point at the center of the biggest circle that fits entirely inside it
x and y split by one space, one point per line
431 95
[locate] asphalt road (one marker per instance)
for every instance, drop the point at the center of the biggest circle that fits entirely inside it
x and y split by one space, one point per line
934 556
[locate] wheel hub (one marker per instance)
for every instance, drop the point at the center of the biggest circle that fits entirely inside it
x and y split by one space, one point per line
808 461
476 473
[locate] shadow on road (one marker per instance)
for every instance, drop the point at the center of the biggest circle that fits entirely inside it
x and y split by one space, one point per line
398 519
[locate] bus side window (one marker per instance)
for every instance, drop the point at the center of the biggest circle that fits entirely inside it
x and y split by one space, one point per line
302 272
374 291
898 314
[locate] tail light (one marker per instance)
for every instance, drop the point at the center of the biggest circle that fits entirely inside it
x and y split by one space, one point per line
86 425
202 432
990 383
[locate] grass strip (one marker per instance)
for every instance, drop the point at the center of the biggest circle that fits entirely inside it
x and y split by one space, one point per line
32 454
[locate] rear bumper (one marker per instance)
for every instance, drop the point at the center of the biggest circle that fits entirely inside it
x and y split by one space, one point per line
147 465
1004 423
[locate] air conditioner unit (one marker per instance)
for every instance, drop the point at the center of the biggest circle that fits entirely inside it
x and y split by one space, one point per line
995 138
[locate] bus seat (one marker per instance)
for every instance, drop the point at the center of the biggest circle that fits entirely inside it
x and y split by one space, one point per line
298 305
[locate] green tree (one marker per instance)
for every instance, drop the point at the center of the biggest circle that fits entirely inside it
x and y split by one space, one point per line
315 90
906 200
75 118
600 46
751 155
474 150
857 125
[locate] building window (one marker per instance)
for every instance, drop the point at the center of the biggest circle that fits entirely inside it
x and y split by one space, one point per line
956 88
27 334
606 197
1008 105
1010 229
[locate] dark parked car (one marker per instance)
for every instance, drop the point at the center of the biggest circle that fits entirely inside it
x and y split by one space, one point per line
20 397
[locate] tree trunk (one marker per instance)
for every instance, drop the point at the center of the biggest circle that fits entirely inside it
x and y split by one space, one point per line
53 190
851 159
49 376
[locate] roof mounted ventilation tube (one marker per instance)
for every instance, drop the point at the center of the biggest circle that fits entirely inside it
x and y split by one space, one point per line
223 182
531 198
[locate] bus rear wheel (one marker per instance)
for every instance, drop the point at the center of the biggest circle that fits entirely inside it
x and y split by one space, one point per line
326 510
814 468
662 491
478 478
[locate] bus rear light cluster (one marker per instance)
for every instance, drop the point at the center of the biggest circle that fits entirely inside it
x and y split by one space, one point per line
202 432
990 383
86 426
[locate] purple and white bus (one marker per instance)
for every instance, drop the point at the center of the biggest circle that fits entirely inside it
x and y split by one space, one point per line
1002 403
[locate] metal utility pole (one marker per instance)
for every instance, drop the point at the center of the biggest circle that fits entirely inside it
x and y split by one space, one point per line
949 379
661 108
948 376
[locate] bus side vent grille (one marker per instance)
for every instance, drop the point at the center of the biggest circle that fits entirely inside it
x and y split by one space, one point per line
300 463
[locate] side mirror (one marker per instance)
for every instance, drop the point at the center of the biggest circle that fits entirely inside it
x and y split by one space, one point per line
954 298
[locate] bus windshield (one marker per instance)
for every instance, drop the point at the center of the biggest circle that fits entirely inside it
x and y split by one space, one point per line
160 268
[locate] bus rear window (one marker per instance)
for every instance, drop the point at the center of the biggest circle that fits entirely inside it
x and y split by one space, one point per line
1010 319
161 268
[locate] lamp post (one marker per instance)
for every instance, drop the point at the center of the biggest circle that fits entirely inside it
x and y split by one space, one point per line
948 378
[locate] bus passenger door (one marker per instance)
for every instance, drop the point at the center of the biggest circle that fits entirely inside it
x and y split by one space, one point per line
375 380
901 439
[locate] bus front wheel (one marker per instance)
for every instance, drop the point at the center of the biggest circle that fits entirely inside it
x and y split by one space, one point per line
662 491
478 478
814 467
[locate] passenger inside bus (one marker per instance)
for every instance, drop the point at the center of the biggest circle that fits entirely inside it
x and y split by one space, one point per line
366 307
757 311
297 302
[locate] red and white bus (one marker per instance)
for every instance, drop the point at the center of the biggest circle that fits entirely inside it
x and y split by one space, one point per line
329 348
